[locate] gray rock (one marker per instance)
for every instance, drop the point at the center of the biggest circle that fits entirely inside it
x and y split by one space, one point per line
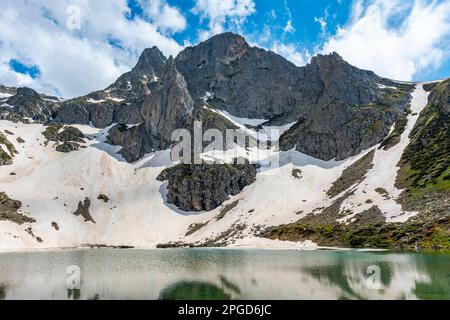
68 147
205 187
28 103
167 108
74 112
339 109
83 210
338 131
59 133
135 141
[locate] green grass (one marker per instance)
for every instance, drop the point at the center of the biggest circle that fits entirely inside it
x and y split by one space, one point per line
429 236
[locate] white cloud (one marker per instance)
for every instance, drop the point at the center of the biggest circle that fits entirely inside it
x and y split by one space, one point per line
223 14
166 18
323 24
323 21
75 62
394 38
291 53
289 28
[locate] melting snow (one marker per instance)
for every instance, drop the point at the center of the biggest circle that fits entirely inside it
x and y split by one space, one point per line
50 185
5 95
90 100
382 86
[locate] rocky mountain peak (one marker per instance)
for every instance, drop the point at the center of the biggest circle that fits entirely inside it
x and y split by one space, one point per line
225 47
327 59
29 103
150 62
27 93
228 45
6 91
249 82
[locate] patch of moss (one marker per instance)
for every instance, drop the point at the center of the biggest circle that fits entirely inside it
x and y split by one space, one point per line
227 208
425 163
59 133
352 175
8 145
383 192
409 235
193 228
394 136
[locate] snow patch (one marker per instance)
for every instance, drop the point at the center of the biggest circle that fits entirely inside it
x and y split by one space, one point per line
5 95
90 100
382 86
207 96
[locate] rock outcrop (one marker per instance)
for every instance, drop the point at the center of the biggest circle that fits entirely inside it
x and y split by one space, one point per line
28 103
338 129
83 210
68 138
339 109
7 150
9 210
205 187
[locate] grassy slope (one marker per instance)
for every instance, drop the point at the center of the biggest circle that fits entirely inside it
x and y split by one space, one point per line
425 173
425 164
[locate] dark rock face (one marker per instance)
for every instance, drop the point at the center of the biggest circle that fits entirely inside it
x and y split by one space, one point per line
69 138
80 111
72 112
29 103
68 147
246 81
167 108
121 102
139 80
83 210
205 187
9 210
252 82
134 141
63 134
338 131
339 109
103 197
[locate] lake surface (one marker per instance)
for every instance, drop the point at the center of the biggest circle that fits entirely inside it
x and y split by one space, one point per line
223 274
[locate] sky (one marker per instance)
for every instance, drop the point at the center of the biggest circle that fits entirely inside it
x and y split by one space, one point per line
72 47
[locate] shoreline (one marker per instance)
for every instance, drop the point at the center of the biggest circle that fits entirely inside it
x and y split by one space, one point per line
229 248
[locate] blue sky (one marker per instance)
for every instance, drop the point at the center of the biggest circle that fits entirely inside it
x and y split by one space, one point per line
275 15
72 47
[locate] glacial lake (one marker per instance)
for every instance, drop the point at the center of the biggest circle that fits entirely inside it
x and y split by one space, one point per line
223 274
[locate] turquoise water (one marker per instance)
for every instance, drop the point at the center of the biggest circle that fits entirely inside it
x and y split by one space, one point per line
223 274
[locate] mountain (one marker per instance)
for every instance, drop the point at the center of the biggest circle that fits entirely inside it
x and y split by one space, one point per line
20 103
360 155
338 110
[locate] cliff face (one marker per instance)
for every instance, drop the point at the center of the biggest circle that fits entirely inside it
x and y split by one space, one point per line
338 109
27 103
205 187
428 154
